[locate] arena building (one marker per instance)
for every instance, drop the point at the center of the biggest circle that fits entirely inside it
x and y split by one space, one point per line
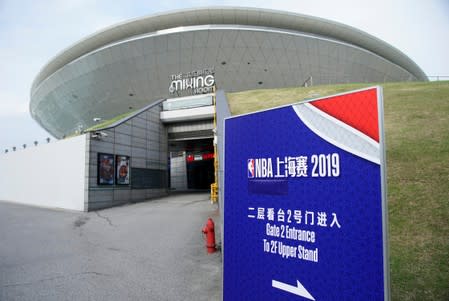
132 64
160 75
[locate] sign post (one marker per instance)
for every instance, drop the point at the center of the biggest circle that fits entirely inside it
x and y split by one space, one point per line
305 201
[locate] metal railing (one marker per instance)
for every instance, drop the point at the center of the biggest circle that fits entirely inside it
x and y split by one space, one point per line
437 78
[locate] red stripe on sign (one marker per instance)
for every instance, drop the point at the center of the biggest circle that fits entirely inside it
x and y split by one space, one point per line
358 110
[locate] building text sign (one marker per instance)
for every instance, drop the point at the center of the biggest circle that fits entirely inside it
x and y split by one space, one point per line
305 206
194 82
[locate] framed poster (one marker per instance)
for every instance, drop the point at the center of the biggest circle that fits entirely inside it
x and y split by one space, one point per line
105 169
122 171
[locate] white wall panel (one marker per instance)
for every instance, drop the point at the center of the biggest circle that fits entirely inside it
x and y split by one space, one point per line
49 175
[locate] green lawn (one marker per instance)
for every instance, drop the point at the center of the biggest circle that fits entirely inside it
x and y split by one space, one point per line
109 122
417 139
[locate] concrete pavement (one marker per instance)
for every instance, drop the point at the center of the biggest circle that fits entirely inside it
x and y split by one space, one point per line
146 251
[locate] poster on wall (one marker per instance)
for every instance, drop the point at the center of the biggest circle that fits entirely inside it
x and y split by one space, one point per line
122 170
105 169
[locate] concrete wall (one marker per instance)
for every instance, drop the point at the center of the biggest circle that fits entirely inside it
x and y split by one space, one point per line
144 139
48 175
192 114
222 113
178 171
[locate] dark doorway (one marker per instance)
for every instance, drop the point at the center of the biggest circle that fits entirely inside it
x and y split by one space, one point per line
200 174
196 171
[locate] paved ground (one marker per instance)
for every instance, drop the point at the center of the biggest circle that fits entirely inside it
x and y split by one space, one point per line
146 251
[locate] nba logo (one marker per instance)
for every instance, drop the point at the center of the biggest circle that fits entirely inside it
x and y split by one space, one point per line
250 168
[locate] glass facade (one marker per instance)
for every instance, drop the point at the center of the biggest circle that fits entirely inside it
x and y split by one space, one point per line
187 102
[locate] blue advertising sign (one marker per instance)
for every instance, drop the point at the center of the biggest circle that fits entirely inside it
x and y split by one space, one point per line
304 204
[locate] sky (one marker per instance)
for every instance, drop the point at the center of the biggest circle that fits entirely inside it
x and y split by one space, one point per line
34 31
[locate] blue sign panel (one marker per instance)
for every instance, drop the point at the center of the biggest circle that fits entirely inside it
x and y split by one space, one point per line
304 209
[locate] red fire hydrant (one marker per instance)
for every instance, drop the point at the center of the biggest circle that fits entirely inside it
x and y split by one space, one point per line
209 231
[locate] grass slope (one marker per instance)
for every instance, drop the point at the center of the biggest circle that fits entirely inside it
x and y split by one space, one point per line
109 122
417 139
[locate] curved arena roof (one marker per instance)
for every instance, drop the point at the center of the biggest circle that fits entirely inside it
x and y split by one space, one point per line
128 65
